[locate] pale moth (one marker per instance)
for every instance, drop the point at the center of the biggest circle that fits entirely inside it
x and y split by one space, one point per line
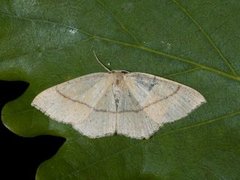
132 104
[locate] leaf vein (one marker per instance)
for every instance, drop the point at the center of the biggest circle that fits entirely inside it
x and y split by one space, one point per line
184 72
144 48
123 27
170 56
210 40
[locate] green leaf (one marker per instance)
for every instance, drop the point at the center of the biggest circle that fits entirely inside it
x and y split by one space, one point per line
192 42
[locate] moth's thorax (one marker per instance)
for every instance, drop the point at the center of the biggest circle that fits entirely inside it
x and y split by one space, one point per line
118 78
118 87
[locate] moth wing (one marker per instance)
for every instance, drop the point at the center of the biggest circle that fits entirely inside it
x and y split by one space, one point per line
83 102
161 99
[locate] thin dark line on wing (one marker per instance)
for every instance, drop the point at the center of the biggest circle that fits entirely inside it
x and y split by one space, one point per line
157 101
136 111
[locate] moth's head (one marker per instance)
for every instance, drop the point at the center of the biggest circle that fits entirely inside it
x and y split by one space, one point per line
119 71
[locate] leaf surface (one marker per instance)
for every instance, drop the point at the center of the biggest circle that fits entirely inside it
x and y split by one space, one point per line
192 42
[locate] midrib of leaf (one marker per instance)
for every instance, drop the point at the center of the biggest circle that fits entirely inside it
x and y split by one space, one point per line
136 46
171 56
201 123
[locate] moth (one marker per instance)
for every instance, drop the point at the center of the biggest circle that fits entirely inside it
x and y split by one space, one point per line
132 104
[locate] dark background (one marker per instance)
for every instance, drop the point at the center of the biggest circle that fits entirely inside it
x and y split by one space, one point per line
19 156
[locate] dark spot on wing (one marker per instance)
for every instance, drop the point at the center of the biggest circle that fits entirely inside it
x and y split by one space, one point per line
153 83
147 82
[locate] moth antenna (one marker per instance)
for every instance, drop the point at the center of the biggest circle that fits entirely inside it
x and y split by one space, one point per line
105 67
